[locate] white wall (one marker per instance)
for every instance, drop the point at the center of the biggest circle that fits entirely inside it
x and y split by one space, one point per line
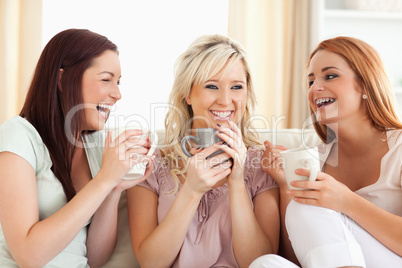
150 35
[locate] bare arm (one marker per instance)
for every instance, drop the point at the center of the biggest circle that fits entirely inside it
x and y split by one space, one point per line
271 164
33 242
384 226
255 233
158 245
330 193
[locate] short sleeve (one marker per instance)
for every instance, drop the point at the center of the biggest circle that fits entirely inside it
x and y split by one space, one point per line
256 179
18 136
153 181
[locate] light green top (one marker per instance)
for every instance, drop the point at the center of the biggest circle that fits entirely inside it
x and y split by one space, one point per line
18 136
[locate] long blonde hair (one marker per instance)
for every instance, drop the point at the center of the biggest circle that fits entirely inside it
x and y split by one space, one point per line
205 57
370 76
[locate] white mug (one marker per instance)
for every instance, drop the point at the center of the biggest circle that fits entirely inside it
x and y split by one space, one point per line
138 170
306 158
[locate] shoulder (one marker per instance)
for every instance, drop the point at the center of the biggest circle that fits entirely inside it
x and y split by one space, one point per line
159 180
18 126
18 136
256 179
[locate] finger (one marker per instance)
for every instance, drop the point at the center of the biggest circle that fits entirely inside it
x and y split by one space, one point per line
228 150
269 145
234 127
219 172
127 134
209 150
194 151
140 151
227 163
139 143
233 133
108 139
312 185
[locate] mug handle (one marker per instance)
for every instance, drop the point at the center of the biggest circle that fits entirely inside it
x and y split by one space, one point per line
183 144
313 168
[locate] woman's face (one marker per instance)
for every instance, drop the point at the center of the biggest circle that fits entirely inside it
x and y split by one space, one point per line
100 89
219 99
334 94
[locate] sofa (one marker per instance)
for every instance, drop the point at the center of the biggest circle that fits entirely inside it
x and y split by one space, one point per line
123 254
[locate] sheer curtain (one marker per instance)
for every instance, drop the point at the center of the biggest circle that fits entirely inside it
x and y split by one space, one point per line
20 47
276 34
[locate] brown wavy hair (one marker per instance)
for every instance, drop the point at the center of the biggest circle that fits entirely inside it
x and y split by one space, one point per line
370 75
46 105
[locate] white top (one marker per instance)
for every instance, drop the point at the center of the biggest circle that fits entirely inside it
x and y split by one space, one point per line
387 191
18 136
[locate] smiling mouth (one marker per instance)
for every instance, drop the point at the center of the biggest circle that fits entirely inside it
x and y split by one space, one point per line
221 115
104 109
324 101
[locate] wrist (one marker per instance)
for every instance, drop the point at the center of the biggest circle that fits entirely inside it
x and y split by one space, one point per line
236 184
191 193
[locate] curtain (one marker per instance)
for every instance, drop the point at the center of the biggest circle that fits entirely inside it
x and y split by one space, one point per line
276 35
20 47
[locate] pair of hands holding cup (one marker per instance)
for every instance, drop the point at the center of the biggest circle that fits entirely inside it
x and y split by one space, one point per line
297 170
208 169
128 155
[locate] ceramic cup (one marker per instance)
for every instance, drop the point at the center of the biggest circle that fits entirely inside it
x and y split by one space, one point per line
307 158
204 138
138 170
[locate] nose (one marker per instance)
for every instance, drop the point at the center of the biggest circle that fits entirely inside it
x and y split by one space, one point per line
317 86
115 93
224 97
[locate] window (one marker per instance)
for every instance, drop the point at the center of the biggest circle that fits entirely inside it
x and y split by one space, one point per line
150 35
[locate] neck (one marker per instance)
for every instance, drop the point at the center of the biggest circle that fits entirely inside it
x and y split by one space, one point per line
359 139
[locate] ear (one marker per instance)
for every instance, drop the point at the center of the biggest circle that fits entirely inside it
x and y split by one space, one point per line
188 100
59 81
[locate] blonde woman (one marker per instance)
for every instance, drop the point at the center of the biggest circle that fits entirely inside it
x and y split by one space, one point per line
205 211
352 216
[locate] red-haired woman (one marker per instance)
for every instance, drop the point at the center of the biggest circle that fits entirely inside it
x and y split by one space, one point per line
352 214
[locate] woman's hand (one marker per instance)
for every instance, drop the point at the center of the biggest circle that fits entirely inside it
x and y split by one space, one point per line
203 172
271 163
235 148
324 192
127 150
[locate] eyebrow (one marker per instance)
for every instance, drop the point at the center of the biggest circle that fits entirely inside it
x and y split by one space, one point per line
217 81
107 72
323 70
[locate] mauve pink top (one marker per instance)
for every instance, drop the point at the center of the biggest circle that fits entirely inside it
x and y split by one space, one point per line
208 242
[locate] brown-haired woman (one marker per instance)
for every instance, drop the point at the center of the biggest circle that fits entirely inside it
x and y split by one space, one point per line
352 214
59 188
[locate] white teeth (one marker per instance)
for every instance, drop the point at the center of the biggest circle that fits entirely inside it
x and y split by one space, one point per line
221 114
104 109
319 102
105 106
